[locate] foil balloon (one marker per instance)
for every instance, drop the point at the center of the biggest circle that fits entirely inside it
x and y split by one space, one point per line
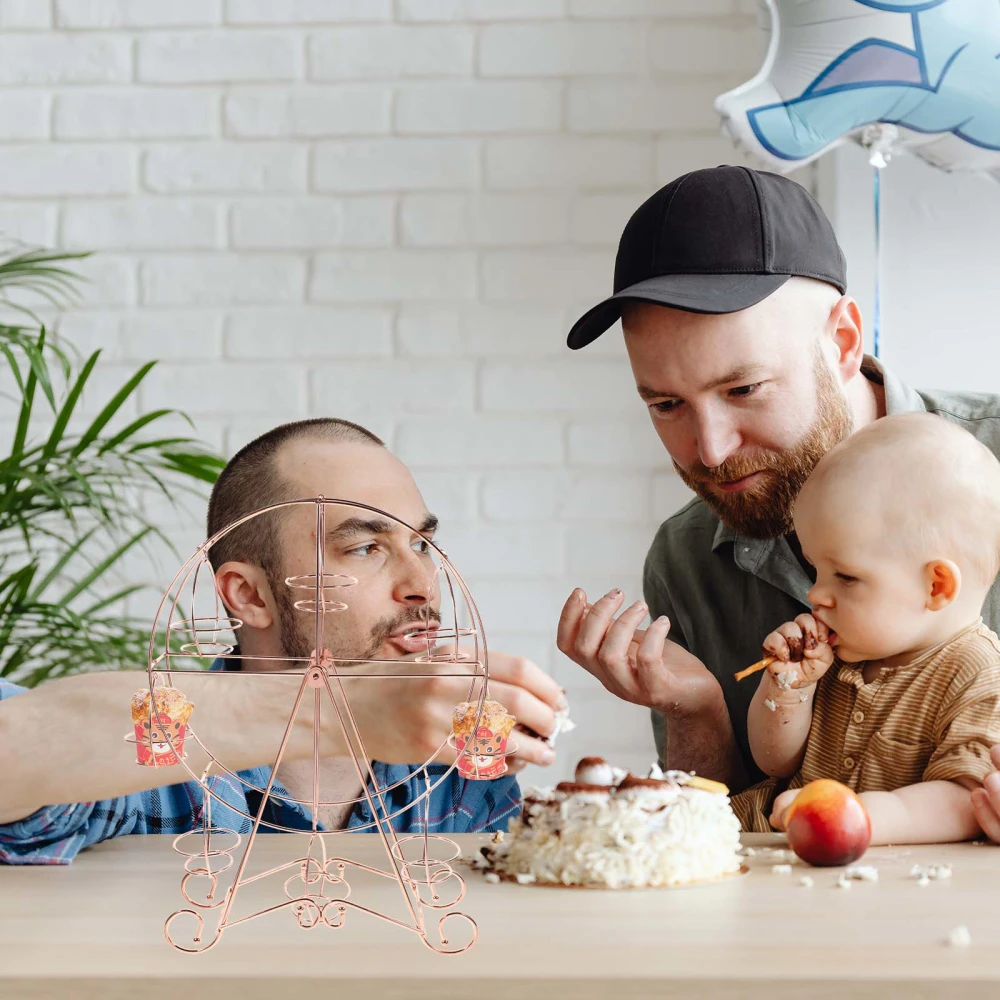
927 71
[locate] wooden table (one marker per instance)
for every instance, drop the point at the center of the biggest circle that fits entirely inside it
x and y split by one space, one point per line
94 929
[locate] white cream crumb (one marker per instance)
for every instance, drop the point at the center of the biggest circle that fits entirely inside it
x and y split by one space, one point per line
933 873
564 724
492 878
498 837
778 855
771 705
960 937
806 881
803 696
748 852
781 869
786 679
862 873
842 883
524 878
923 880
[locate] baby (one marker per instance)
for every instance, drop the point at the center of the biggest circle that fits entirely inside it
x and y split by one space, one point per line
892 684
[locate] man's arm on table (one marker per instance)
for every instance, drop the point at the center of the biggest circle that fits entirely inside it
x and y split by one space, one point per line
66 736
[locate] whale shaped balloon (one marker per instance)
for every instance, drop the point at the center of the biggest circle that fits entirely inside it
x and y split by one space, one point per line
929 70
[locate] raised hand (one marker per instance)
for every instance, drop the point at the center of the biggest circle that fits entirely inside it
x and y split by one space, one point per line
640 666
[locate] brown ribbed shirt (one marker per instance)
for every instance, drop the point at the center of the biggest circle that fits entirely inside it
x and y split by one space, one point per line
929 720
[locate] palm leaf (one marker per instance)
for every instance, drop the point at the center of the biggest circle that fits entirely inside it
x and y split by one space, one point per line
101 420
71 503
66 410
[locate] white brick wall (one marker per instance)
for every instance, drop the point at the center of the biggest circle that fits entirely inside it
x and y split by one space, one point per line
389 210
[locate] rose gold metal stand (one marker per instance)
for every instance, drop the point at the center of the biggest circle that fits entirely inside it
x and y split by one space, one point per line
316 888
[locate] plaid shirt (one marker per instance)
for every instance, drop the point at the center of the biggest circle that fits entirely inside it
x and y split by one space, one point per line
54 835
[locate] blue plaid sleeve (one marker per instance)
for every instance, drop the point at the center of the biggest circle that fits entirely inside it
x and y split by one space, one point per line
455 804
55 834
485 806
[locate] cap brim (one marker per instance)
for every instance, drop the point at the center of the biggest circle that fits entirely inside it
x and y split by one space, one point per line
699 293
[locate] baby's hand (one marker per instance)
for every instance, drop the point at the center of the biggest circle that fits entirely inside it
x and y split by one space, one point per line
803 653
780 808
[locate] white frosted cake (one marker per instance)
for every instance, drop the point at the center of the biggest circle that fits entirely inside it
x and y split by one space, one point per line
610 829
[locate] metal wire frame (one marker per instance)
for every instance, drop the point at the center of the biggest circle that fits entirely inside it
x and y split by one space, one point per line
322 674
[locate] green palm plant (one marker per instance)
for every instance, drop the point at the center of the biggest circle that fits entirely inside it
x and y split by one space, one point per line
71 496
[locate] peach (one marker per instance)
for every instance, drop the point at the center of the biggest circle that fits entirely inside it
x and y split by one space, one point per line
827 824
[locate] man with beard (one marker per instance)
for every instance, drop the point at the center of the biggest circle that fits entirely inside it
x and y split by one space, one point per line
402 721
748 354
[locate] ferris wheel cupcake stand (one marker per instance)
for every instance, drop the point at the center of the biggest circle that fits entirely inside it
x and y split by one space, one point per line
315 887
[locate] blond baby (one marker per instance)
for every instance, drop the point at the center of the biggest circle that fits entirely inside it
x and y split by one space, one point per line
892 684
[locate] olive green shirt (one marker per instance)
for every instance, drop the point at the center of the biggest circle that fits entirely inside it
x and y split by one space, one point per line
723 593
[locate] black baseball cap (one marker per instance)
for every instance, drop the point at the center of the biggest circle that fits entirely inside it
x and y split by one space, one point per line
716 241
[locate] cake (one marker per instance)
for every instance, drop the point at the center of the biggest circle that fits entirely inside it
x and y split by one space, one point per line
611 829
160 729
481 739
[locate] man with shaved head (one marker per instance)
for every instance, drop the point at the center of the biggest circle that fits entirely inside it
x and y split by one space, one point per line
52 803
749 356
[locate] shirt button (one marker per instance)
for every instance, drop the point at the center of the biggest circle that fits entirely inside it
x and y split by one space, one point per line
848 763
858 716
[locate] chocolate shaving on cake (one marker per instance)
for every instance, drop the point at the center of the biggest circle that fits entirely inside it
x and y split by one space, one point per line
631 781
575 787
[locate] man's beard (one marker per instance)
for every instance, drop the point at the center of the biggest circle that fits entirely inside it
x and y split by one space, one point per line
298 637
765 509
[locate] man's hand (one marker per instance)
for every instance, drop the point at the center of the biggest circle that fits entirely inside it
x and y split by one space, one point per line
803 650
414 715
532 697
986 800
643 667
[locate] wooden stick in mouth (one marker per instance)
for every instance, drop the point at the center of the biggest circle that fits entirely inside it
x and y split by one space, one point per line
755 668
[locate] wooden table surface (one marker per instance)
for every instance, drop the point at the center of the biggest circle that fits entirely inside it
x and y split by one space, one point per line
95 929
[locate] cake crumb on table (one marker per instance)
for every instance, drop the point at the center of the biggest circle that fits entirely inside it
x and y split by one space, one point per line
960 937
862 873
781 869
492 878
933 873
842 883
806 881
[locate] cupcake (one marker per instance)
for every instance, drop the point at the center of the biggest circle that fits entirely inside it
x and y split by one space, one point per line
481 748
160 729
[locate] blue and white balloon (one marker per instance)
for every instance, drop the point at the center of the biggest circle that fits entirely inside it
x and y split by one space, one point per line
930 68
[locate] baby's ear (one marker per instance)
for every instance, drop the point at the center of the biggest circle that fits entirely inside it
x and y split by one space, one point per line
943 579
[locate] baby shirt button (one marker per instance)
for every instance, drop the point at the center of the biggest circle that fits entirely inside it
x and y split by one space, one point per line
848 763
858 716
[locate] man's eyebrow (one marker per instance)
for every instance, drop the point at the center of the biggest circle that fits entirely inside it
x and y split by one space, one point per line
375 526
358 526
743 374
